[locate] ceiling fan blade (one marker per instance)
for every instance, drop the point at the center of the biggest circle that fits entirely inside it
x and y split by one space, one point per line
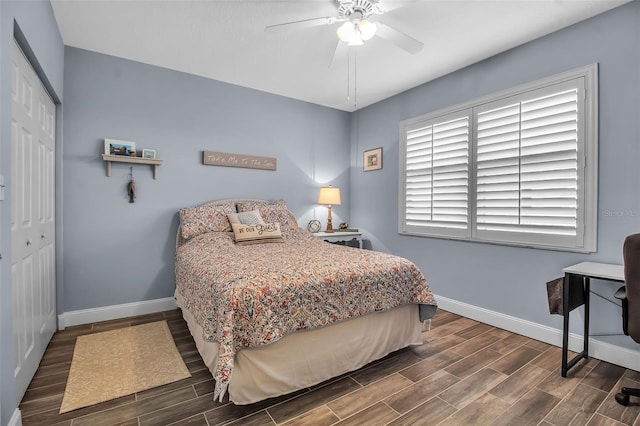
340 47
400 39
303 23
389 5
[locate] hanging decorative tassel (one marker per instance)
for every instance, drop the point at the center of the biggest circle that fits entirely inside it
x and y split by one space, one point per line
131 187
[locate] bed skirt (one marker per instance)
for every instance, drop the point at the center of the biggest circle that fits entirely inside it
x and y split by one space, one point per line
307 358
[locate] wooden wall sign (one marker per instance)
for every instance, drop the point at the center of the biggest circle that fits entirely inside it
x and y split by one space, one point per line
213 158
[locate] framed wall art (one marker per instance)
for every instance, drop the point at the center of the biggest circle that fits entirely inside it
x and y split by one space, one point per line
118 147
149 153
372 159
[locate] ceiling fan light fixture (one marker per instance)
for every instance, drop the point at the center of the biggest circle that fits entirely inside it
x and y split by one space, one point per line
354 33
346 31
367 29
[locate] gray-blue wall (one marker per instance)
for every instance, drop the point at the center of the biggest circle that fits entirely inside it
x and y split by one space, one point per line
504 279
36 29
115 252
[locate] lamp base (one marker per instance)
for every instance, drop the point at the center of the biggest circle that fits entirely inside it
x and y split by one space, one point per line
329 229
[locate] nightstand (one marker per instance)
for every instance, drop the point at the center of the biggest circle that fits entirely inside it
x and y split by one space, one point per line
340 237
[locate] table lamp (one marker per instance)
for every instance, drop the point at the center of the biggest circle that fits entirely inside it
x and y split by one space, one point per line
329 196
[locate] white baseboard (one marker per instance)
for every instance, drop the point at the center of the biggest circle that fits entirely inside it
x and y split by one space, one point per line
597 349
105 313
603 351
16 418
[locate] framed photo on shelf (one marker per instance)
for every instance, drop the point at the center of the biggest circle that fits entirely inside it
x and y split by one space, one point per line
372 159
149 153
118 147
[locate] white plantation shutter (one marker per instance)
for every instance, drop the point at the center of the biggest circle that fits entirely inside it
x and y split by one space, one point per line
515 168
527 165
437 174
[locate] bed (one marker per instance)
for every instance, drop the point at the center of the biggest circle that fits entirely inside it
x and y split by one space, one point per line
288 311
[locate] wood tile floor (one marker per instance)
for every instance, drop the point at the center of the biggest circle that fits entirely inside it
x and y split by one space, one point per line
466 373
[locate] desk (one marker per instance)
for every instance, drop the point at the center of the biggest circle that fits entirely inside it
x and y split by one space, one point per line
585 271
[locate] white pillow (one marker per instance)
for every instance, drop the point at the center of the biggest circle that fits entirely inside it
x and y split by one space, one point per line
252 217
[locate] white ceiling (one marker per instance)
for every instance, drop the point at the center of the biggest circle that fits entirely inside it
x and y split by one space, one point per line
225 40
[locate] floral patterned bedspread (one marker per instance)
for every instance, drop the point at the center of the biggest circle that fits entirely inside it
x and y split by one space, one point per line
248 296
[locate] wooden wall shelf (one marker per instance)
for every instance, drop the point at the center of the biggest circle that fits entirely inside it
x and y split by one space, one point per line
137 160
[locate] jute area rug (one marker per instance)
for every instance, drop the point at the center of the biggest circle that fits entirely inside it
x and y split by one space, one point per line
121 362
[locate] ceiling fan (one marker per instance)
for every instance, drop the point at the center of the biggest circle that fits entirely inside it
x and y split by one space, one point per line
357 26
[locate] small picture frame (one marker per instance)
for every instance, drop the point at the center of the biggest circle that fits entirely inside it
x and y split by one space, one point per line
118 147
149 153
372 159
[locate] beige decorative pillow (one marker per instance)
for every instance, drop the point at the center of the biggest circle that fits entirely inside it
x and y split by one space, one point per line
252 217
257 234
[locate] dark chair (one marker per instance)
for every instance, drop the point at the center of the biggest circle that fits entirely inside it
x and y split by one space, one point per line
630 297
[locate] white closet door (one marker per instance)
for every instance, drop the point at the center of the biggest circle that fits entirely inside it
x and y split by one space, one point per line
32 218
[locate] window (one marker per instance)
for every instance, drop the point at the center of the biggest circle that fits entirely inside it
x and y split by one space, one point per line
518 167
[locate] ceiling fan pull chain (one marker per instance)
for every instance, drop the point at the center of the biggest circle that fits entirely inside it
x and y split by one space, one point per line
352 55
348 74
355 79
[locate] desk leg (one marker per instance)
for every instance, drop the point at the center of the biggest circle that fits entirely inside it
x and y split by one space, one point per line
566 289
565 328
587 292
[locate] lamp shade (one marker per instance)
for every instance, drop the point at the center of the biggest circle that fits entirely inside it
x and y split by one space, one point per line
329 195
